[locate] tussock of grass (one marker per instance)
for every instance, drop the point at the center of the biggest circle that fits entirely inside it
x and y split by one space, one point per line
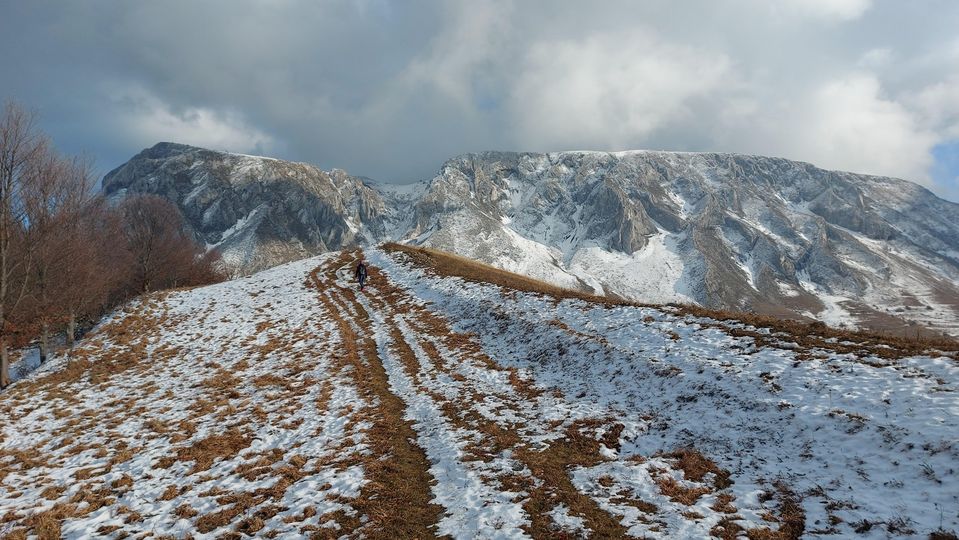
205 451
696 466
679 493
122 483
724 504
791 520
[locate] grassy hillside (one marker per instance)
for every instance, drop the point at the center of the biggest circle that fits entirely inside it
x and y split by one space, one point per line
453 399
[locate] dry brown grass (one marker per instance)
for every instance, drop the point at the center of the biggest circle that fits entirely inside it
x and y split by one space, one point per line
52 493
129 337
461 415
724 504
46 525
808 335
251 525
16 534
122 483
270 379
205 451
220 518
679 493
580 448
696 466
185 511
92 364
791 520
169 493
625 499
448 264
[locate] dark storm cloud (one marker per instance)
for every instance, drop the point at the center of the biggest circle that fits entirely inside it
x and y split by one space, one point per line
391 89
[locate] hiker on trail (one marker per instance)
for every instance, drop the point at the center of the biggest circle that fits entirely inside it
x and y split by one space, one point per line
361 274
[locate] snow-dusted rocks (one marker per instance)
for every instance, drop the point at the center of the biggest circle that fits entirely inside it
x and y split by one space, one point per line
722 230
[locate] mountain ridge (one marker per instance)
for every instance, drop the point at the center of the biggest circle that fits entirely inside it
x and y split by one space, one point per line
718 229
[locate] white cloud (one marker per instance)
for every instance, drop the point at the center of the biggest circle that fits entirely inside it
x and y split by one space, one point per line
847 124
609 90
876 58
147 119
939 105
473 35
391 93
839 10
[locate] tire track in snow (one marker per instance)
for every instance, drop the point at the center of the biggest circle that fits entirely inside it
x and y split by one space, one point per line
475 506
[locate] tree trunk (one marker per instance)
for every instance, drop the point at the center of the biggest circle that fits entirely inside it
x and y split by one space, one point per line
4 364
71 329
44 342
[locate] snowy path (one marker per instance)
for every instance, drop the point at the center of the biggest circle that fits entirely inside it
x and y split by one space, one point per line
509 460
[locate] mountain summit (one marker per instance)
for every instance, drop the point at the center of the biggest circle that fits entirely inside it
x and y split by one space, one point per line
723 230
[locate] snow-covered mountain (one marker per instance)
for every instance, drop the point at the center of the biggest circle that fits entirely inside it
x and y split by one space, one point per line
257 211
723 230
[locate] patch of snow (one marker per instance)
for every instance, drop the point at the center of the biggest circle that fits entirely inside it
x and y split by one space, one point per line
653 274
568 523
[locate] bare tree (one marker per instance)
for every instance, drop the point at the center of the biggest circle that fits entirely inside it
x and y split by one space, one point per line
55 199
95 262
65 253
20 144
161 251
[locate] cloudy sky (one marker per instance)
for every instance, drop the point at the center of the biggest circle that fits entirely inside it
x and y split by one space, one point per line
392 89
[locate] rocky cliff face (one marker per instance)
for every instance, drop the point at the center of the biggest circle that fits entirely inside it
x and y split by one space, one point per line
257 211
731 231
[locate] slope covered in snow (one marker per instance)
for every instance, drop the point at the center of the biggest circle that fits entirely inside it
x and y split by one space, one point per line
289 404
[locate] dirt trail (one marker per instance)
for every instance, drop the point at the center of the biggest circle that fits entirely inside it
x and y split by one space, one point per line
500 411
397 498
